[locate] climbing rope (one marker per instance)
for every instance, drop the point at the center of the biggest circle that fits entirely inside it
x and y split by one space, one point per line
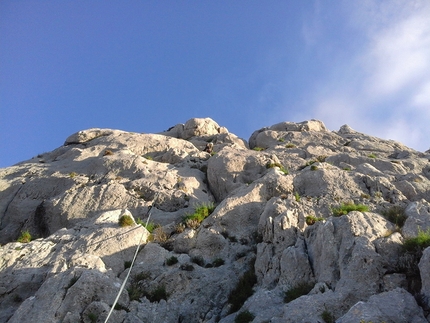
134 258
129 271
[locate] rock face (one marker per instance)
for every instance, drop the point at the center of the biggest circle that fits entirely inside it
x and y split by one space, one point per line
301 224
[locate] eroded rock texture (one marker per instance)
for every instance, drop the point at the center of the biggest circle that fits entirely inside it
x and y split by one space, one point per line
280 221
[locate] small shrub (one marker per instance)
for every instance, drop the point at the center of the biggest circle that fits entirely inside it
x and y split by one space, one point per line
258 148
244 317
395 214
290 145
218 262
171 261
92 317
281 139
127 264
151 226
412 251
348 169
345 208
72 175
126 221
365 196
180 227
160 235
372 155
309 163
192 223
297 196
327 317
135 290
148 157
198 261
313 167
201 212
377 195
187 267
321 158
243 289
157 294
295 292
281 168
25 237
418 243
310 220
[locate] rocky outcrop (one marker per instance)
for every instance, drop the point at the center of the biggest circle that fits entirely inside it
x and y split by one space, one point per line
307 225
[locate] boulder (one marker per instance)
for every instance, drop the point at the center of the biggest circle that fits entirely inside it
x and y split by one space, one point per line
424 266
395 306
418 218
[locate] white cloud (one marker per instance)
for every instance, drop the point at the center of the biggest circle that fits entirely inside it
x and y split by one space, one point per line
400 129
336 111
386 89
398 56
422 97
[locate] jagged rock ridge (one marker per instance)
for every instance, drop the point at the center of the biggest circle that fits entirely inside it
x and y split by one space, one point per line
266 193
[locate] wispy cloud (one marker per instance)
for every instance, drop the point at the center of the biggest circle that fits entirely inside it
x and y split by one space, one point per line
387 91
398 57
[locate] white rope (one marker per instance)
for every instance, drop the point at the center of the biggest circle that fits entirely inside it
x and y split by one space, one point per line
132 262
128 274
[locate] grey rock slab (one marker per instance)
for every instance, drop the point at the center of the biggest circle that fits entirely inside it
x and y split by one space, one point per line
418 218
396 306
424 267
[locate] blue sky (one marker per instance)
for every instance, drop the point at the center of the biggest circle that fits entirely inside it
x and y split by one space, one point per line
145 66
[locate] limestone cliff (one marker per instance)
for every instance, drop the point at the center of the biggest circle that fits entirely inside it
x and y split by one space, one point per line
298 224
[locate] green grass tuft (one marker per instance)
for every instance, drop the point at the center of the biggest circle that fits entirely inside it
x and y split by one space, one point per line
125 221
171 261
310 220
345 208
92 317
280 166
395 214
418 243
198 260
25 237
151 226
201 212
258 148
327 317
